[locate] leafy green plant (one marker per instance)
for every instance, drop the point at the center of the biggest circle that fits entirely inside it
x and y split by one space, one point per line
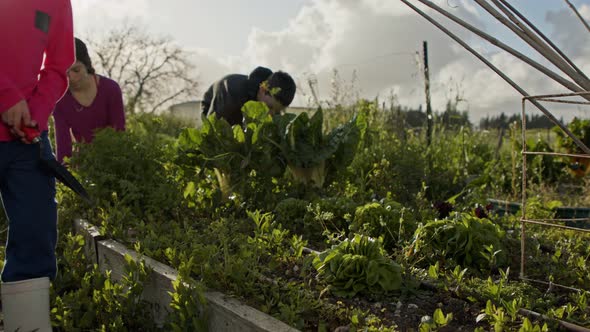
580 128
188 303
390 220
255 258
100 302
356 265
290 213
495 315
269 237
527 326
233 152
437 321
460 240
309 153
455 278
132 166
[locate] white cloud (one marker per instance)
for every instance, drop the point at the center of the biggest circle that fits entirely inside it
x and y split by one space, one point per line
570 33
92 16
376 39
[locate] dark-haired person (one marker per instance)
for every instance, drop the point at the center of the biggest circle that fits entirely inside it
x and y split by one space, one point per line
92 102
227 96
37 49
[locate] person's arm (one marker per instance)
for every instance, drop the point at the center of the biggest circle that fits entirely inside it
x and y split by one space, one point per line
59 56
14 111
206 103
9 94
116 108
63 137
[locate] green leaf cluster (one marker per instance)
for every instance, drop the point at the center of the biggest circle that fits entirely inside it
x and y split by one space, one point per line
578 127
133 167
308 151
462 240
390 220
234 151
101 303
358 265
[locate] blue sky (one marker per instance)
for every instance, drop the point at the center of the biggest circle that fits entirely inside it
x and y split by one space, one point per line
377 40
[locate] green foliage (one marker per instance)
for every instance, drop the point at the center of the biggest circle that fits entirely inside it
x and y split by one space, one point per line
259 256
72 263
166 127
543 168
269 237
188 303
291 213
306 149
454 159
580 128
233 152
130 167
358 265
461 240
437 321
527 326
100 302
390 220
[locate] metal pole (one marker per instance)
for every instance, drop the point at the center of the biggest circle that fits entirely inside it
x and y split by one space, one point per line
427 92
506 78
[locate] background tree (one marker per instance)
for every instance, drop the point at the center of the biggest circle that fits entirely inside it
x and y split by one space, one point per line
154 72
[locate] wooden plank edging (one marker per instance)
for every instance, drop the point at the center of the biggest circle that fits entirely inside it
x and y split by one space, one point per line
225 314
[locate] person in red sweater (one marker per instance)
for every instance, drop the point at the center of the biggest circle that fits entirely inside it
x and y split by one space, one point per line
92 102
36 37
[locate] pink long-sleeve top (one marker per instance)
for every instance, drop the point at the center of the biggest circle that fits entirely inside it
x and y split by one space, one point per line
73 119
37 43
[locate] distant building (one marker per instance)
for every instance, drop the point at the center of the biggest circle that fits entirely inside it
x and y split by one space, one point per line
190 110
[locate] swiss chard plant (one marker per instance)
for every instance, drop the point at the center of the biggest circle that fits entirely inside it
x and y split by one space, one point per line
233 152
358 264
310 153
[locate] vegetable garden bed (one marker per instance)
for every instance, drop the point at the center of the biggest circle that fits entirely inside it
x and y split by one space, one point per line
403 238
223 313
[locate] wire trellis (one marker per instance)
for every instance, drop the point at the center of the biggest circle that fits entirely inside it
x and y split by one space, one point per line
556 222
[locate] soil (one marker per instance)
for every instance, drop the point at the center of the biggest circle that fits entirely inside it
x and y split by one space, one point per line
404 310
407 312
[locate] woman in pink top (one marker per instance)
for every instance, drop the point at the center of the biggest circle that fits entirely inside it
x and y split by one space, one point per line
92 102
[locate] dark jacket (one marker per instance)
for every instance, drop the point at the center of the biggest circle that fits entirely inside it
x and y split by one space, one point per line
227 96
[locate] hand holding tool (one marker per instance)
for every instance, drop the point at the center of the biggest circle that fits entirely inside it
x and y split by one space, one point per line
33 136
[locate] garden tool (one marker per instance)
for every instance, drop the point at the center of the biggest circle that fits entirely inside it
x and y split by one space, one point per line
58 170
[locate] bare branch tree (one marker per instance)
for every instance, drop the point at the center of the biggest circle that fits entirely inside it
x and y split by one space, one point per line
153 72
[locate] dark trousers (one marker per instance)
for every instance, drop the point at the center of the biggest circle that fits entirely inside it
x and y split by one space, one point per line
28 195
